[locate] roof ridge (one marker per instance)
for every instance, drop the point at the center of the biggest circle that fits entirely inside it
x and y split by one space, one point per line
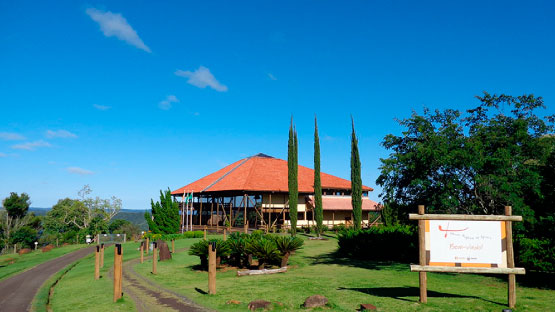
225 174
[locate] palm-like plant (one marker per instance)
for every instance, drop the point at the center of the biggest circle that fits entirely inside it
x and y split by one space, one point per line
265 250
237 244
286 245
200 249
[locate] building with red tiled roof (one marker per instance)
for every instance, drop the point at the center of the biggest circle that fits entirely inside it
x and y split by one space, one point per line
257 187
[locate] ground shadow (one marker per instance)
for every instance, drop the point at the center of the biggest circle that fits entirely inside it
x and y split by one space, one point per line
201 291
400 293
336 258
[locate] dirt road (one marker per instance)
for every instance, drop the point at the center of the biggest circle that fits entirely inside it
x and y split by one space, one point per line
17 292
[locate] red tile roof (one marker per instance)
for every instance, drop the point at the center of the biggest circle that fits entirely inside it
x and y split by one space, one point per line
343 203
262 173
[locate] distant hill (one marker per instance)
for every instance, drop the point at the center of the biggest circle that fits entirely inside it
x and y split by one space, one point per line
134 216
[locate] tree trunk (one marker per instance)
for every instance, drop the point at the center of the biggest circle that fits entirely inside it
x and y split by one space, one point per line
285 259
260 264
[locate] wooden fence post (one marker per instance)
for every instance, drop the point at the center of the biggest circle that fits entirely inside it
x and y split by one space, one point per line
173 246
212 268
97 263
205 232
422 255
102 255
510 258
118 252
154 257
225 234
147 246
14 248
142 249
246 227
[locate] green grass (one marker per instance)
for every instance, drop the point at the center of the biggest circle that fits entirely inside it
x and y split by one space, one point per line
77 290
346 283
11 264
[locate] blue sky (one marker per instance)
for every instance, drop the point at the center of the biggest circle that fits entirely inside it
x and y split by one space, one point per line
132 97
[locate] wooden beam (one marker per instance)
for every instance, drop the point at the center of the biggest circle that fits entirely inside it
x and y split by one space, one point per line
450 269
200 213
510 258
431 216
423 279
261 272
245 209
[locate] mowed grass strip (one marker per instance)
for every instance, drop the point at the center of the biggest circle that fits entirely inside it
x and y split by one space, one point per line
346 283
11 264
77 290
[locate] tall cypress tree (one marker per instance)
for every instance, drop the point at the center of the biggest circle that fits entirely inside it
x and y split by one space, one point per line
165 214
292 169
318 211
356 180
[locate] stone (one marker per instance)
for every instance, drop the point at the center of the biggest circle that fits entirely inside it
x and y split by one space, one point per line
315 301
47 248
259 304
233 302
367 307
163 250
24 251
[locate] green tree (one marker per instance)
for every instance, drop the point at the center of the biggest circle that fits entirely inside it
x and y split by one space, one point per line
472 164
17 205
165 215
26 236
293 183
318 210
116 224
356 180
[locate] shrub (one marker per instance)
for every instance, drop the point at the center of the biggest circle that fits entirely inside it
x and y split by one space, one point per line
200 249
264 249
26 236
535 254
287 245
384 243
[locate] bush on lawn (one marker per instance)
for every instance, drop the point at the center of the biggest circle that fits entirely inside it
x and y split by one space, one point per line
382 243
535 254
169 237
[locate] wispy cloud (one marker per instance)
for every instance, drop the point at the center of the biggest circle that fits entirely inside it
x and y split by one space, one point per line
271 76
167 103
114 24
60 134
102 107
3 155
202 78
31 146
79 171
11 136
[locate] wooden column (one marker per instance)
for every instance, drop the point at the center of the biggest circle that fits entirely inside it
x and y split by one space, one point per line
102 255
118 253
154 257
245 209
225 234
230 215
510 257
200 212
205 232
218 216
141 249
97 263
422 255
212 268
211 212
332 217
269 211
246 227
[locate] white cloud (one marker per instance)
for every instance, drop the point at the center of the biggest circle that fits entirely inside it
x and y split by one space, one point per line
114 24
11 136
31 146
60 134
272 77
79 171
3 155
167 103
202 78
102 107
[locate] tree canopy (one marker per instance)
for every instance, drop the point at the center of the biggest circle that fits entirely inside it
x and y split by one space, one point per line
318 209
165 215
17 205
292 176
356 180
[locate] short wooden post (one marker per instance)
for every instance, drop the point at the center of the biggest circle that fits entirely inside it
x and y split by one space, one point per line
212 268
173 246
422 254
147 246
57 244
205 232
102 255
118 252
154 257
225 234
510 257
97 263
142 248
14 248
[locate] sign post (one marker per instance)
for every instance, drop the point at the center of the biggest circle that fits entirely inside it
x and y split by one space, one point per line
466 244
97 263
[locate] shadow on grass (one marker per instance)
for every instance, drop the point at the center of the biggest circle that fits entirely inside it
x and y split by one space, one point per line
201 291
336 258
542 280
400 292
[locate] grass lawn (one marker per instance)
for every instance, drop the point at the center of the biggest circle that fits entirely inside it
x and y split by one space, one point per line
11 264
346 283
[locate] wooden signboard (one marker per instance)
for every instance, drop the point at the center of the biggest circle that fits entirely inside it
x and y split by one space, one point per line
466 244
